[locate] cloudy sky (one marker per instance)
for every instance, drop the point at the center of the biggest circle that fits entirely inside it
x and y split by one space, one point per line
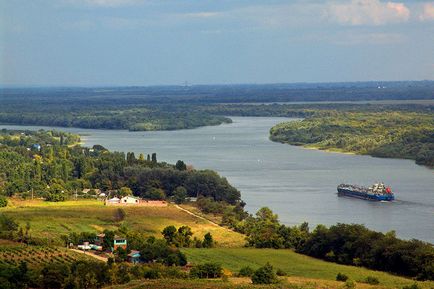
150 42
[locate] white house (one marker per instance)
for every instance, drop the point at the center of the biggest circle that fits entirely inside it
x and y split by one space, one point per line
129 200
114 200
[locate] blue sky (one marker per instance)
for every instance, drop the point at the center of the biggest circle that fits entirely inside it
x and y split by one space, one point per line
147 42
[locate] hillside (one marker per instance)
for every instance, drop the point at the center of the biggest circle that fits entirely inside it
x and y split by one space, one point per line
293 264
51 220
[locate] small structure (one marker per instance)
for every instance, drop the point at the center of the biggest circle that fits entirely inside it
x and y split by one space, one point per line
119 242
85 246
36 146
99 240
134 256
129 200
113 201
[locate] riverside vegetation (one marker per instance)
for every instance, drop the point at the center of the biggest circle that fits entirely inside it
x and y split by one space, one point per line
381 134
379 129
50 165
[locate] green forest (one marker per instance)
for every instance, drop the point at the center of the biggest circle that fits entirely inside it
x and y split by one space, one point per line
394 134
50 164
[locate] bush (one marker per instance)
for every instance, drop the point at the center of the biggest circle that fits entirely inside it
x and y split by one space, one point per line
350 284
246 272
151 273
264 275
371 280
341 277
208 241
3 201
280 272
207 270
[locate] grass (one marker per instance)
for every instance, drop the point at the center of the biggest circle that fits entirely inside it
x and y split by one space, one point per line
295 265
51 220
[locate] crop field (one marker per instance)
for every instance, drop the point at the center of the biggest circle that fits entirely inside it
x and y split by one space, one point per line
36 256
51 220
293 264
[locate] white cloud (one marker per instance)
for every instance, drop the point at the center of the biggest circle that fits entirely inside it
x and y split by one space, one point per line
428 12
368 12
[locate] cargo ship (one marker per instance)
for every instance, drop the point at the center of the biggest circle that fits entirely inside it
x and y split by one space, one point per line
378 192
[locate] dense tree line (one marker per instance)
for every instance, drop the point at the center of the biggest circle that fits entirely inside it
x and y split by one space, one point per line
37 163
382 134
348 244
172 107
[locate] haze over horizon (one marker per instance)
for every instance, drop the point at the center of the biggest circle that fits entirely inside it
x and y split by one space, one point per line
148 42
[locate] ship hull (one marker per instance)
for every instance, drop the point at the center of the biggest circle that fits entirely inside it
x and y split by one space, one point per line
364 195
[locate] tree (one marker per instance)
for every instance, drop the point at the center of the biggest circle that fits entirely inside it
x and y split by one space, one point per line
54 274
56 193
264 275
125 191
208 241
263 230
180 166
169 233
179 195
183 237
154 158
108 239
155 194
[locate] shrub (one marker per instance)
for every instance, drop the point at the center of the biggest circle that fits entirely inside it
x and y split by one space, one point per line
371 280
3 201
264 275
207 270
349 284
208 241
151 273
246 272
341 277
280 272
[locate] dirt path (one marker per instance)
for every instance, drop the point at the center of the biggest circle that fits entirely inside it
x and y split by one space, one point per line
197 216
104 259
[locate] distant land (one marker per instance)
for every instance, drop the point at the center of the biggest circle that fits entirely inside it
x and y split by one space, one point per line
154 108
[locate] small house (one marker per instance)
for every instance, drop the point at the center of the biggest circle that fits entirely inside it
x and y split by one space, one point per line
99 240
119 242
134 256
113 200
36 147
129 200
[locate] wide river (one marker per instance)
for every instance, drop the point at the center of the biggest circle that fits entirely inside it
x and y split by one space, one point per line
296 183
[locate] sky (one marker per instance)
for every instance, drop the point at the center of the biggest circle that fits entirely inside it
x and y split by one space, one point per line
159 42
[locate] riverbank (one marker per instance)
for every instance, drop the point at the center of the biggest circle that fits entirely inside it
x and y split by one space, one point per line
296 183
405 135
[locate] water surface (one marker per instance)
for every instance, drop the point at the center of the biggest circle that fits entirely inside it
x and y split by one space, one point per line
296 183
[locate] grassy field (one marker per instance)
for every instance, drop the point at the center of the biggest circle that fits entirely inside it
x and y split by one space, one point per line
294 265
36 256
51 220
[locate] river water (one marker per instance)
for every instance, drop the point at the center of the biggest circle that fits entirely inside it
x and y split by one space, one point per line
296 183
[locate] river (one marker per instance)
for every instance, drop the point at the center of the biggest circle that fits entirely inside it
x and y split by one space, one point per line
296 183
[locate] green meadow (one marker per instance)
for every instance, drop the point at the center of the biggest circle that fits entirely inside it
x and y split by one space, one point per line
293 264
